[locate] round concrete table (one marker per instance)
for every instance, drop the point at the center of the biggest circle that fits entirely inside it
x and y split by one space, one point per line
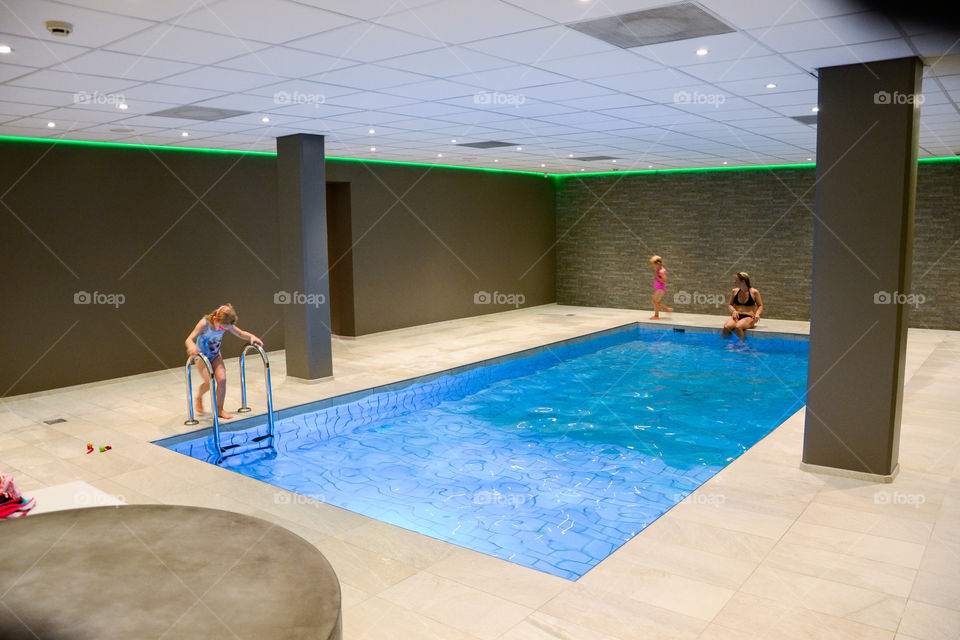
152 571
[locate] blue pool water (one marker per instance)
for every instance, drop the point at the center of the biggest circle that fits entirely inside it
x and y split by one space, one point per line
551 460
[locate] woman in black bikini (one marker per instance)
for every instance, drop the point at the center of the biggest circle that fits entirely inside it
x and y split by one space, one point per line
745 307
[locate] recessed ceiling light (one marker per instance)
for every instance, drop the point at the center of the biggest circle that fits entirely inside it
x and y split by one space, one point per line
439 155
770 85
614 161
5 48
542 166
582 169
51 124
809 159
649 166
815 109
496 159
373 148
264 119
372 131
570 156
123 106
184 134
724 162
519 148
702 51
453 141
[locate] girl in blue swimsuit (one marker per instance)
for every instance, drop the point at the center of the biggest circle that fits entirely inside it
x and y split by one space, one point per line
205 338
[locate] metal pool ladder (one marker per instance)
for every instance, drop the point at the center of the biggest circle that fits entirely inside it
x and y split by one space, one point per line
243 395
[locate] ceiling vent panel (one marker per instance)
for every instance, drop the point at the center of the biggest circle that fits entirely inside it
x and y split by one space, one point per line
198 113
653 26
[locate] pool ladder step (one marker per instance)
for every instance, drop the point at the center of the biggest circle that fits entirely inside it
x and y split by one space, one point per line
241 448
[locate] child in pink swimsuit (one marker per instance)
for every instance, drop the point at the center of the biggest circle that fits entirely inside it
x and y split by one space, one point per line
659 286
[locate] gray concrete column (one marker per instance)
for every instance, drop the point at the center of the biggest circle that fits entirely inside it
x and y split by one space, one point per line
863 237
302 212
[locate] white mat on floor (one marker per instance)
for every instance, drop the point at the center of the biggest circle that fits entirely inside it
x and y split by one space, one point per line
70 495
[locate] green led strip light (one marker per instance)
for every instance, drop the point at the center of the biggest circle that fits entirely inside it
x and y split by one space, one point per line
121 145
155 147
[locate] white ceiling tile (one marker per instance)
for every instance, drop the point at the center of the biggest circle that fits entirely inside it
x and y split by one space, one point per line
242 102
531 47
221 79
937 44
447 61
433 90
745 68
598 65
756 87
459 21
72 82
804 98
31 52
563 91
426 110
831 32
369 77
123 65
148 10
273 21
365 41
636 83
10 71
721 47
606 101
91 28
749 15
369 100
310 110
818 58
320 91
512 78
9 93
156 92
367 9
184 45
286 63
12 109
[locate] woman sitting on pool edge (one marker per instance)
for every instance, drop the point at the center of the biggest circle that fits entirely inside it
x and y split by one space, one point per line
745 306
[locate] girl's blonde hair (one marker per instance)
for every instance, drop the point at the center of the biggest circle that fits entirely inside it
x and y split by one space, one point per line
656 259
743 275
224 314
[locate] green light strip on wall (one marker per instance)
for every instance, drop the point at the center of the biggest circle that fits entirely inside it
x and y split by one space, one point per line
124 145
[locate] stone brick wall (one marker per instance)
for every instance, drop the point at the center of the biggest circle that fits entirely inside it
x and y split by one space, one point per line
707 226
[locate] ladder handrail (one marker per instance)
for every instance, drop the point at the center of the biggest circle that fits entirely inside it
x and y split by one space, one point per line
213 397
266 378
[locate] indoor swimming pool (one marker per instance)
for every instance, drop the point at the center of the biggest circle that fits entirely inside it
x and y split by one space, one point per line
551 458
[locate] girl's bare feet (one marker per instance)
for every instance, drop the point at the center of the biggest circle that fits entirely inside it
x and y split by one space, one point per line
198 405
669 309
225 416
655 317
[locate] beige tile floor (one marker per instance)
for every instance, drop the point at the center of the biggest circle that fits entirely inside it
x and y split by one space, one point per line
763 550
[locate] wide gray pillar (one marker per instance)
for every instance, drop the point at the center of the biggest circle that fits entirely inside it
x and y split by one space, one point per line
863 237
305 295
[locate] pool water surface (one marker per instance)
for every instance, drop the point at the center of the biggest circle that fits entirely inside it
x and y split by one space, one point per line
552 459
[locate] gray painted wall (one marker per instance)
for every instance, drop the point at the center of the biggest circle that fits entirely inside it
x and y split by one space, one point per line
709 225
128 221
428 240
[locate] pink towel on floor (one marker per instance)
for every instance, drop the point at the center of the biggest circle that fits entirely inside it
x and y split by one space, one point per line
7 488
